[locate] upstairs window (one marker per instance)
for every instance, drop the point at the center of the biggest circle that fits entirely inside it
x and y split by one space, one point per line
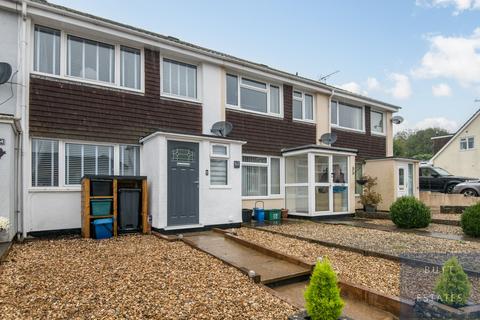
82 159
44 163
253 95
377 122
130 69
346 116
47 50
179 79
467 143
302 106
91 60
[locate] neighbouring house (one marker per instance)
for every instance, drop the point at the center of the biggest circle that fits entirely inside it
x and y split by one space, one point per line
100 97
458 153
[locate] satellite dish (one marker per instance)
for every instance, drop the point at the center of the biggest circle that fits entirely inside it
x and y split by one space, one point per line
222 128
328 138
397 119
5 72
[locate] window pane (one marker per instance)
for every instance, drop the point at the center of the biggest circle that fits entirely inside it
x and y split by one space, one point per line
192 82
471 143
44 163
401 177
275 176
182 73
296 199
322 199
274 99
308 107
174 78
179 78
166 77
254 83
350 117
410 179
129 160
232 90
296 169
253 100
321 170
297 109
89 159
75 56
297 94
463 144
334 111
130 68
253 159
219 150
376 121
73 163
254 181
340 169
91 61
104 160
106 64
47 50
218 172
358 176
340 198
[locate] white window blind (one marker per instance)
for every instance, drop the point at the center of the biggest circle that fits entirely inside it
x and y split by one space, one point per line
47 50
130 68
129 160
83 159
44 163
275 176
219 172
179 79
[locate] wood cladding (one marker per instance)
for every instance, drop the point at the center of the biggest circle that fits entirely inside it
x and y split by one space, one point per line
71 110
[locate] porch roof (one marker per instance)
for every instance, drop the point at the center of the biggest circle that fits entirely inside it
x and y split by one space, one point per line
317 147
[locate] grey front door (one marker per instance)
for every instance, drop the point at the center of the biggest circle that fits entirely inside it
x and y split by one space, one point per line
182 183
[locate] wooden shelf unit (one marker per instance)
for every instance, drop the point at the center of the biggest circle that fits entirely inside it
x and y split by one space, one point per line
86 197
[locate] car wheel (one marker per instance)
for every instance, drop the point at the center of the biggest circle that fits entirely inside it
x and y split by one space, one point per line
449 188
470 193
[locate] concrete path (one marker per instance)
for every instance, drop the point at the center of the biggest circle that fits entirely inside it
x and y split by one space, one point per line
269 268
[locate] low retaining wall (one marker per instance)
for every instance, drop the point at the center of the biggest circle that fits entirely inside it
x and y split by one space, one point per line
435 200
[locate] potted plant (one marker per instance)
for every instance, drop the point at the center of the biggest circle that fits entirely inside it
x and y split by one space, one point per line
4 226
370 198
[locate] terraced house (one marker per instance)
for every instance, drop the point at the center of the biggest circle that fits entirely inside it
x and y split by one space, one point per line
93 96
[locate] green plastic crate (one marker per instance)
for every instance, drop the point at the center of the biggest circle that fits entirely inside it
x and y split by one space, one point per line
273 214
101 207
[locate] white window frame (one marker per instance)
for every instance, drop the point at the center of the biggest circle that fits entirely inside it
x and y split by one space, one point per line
383 122
214 156
64 60
199 74
269 176
266 90
302 100
337 126
36 55
31 167
466 138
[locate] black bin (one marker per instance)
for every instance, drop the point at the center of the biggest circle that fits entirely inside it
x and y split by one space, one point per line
128 209
101 187
247 215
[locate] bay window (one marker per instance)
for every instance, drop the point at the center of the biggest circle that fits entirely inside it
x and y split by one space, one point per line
346 116
46 50
91 60
253 95
219 165
44 163
377 122
260 176
82 159
302 106
179 79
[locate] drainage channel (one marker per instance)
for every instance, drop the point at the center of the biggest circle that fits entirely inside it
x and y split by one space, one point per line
284 276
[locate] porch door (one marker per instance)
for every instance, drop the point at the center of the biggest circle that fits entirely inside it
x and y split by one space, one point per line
340 178
402 180
182 183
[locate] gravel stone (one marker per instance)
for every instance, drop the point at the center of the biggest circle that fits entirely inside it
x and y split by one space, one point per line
129 277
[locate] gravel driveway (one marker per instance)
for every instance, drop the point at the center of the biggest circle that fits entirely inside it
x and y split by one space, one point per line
131 277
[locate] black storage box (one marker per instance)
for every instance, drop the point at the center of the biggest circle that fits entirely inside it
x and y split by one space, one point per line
101 187
128 209
247 215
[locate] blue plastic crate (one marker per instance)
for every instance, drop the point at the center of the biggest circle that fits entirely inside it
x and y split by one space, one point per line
102 228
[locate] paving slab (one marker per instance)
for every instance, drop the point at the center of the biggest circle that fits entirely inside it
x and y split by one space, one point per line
269 268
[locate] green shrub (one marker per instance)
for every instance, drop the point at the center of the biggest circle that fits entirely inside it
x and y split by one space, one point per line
409 212
471 220
453 287
322 295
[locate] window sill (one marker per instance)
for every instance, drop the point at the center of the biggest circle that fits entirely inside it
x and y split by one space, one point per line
91 83
348 129
54 189
378 134
179 98
311 122
275 197
228 187
262 114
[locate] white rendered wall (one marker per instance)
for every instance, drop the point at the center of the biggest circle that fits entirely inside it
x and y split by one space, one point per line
7 177
9 53
54 210
213 85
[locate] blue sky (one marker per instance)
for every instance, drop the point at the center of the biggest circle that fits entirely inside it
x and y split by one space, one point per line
423 55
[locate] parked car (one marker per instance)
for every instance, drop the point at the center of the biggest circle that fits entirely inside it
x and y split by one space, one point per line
437 179
468 188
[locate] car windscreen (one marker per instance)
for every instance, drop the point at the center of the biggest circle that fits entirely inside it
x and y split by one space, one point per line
442 172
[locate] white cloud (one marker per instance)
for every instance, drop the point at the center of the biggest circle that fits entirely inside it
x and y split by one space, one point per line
373 84
439 122
441 90
459 5
452 57
352 87
401 88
